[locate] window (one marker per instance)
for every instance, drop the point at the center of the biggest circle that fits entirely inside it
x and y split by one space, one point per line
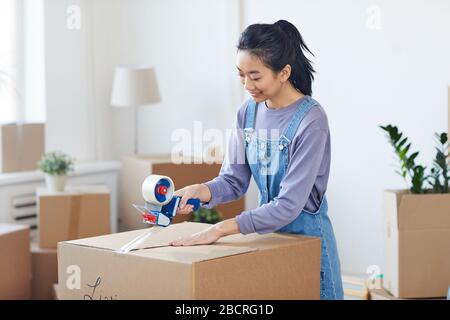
22 61
8 61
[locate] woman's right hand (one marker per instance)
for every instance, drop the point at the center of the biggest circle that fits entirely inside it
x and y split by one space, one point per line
200 191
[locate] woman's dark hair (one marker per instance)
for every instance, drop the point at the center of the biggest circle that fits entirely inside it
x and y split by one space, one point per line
277 45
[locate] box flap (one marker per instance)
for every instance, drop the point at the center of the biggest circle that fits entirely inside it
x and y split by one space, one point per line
192 254
264 241
157 245
160 249
160 238
6 228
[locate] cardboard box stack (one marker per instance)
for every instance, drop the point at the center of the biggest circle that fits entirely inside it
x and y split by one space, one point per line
15 264
271 266
355 288
77 212
21 146
136 168
45 272
417 242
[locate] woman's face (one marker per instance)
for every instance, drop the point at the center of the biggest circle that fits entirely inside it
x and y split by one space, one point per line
260 81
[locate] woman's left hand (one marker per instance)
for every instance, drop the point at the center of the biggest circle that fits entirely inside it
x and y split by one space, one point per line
207 236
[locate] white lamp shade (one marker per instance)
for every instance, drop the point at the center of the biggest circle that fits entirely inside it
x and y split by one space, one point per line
134 86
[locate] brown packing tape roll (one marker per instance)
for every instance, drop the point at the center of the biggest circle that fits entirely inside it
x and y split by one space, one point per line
74 218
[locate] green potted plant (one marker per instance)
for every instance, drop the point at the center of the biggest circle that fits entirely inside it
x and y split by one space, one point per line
414 174
417 222
204 215
55 165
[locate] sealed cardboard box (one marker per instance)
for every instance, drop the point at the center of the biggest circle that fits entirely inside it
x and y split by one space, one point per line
15 264
78 212
136 168
271 266
21 146
44 266
417 242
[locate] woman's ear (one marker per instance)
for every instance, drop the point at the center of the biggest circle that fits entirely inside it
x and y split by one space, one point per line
285 73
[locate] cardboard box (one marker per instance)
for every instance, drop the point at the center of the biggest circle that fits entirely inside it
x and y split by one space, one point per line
78 212
15 262
355 288
21 146
136 168
44 266
271 266
417 244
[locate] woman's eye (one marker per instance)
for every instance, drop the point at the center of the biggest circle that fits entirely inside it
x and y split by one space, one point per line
256 79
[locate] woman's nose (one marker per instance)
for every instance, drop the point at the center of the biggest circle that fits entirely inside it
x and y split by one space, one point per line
248 85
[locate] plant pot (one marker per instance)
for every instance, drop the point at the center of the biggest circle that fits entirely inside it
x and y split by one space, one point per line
55 183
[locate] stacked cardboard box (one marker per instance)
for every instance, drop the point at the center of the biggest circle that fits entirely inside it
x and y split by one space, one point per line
15 264
417 242
77 212
271 266
355 288
136 168
21 146
45 272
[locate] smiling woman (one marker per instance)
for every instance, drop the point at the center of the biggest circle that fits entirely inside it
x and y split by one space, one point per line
291 170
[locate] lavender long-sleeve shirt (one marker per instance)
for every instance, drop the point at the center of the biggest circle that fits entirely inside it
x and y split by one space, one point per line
306 178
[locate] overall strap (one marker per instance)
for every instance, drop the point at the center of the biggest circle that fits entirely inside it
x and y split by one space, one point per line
303 109
250 115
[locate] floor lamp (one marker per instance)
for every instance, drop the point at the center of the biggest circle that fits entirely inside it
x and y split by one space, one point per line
134 86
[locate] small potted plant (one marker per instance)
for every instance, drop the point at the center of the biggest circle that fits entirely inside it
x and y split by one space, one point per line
204 215
55 165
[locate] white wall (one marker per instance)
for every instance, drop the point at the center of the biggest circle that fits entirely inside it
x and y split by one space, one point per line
34 61
398 74
69 81
191 46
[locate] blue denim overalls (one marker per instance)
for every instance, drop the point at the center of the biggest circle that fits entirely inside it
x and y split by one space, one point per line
268 160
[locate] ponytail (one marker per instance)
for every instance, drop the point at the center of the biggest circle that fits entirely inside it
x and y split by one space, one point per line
277 45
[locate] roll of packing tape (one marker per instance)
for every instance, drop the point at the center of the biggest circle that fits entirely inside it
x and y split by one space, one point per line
158 189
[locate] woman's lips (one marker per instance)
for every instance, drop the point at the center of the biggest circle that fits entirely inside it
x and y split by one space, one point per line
254 94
